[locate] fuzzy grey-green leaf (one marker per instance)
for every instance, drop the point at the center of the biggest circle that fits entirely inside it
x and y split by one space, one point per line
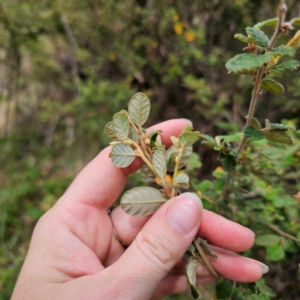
191 276
159 163
241 37
258 36
282 50
246 62
279 136
188 138
182 180
253 134
109 130
139 108
121 124
270 22
122 155
142 201
272 86
289 65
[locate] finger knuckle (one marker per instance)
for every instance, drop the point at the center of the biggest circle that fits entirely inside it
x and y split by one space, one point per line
157 249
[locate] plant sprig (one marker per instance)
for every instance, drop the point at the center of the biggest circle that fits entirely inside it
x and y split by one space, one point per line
130 140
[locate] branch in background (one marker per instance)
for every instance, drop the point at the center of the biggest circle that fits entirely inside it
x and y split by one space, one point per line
74 47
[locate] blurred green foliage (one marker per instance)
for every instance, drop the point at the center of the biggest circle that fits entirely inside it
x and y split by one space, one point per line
67 66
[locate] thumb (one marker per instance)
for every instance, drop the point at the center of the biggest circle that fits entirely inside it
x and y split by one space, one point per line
158 247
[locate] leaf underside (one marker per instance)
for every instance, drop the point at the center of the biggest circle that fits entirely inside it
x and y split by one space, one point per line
139 109
182 180
121 124
159 163
142 201
272 86
109 130
122 155
191 276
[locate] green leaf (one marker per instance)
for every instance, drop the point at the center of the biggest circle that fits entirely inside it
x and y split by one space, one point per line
171 154
282 50
121 125
187 129
194 162
295 21
223 289
280 126
287 65
159 163
275 252
267 239
142 201
204 185
290 246
182 180
228 161
255 123
279 136
188 138
152 136
208 140
246 62
270 22
139 108
191 276
284 201
256 204
242 38
253 134
272 86
109 130
122 155
258 36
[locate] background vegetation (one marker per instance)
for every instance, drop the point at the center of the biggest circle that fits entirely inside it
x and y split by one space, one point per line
67 66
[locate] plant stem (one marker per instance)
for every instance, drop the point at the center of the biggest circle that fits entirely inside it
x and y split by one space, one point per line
282 233
204 258
177 162
282 10
255 91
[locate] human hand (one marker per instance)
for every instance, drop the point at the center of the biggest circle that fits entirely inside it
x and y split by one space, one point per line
74 252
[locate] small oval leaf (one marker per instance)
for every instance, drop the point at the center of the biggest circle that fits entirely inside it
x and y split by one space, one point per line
279 136
122 155
121 124
275 252
191 276
246 62
188 138
282 50
159 163
253 134
267 239
109 130
182 180
139 108
258 36
289 65
142 201
272 86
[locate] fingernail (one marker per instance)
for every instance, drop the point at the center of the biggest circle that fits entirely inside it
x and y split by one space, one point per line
190 123
264 267
184 213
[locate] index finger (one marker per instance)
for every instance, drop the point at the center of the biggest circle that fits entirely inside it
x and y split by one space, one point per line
101 182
